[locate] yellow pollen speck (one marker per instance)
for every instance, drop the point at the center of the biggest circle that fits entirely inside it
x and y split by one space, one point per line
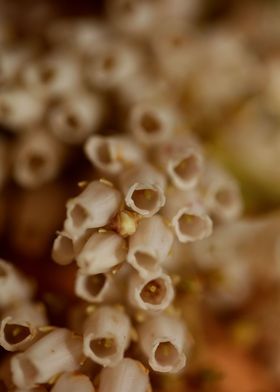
176 279
148 194
106 182
140 317
106 342
172 311
143 369
82 184
167 222
191 285
166 350
116 269
152 288
16 331
90 309
46 328
54 378
188 218
245 333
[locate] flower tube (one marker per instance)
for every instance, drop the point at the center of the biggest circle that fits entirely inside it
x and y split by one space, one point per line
182 160
93 208
112 64
222 61
19 109
139 87
63 249
73 382
59 351
19 325
143 187
102 287
75 117
162 339
152 122
106 335
101 252
55 75
187 216
38 159
149 246
221 193
13 287
94 288
112 154
175 49
128 375
150 294
11 62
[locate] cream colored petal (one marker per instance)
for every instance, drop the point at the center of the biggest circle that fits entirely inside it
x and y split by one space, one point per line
187 216
54 75
76 117
20 109
221 193
95 288
73 382
128 375
106 335
138 20
149 246
93 208
101 252
162 339
143 187
111 154
152 122
63 249
19 325
182 160
38 158
112 64
150 294
59 351
13 287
